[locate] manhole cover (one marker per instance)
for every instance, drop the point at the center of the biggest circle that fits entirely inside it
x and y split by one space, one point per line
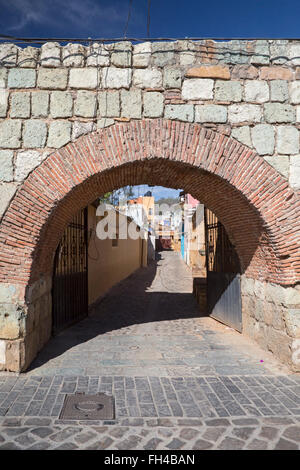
80 406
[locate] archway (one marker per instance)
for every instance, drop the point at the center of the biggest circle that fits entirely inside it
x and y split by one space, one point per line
248 196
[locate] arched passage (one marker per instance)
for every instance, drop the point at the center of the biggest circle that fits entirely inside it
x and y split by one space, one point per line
254 203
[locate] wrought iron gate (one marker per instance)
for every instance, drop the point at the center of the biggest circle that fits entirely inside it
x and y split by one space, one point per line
70 281
223 274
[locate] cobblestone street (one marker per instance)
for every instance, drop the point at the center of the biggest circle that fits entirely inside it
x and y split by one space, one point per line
180 381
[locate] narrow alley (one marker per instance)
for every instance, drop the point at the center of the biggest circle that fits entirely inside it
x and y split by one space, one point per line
179 380
149 324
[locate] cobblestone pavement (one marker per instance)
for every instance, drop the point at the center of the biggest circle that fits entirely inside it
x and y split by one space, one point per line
179 381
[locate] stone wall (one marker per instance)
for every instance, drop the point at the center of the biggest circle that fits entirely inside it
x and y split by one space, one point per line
271 316
231 109
53 94
25 327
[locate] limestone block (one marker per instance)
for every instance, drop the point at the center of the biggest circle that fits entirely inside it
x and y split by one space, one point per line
50 54
85 104
263 138
39 288
15 355
256 91
247 286
279 90
234 52
2 351
40 104
163 53
59 134
153 104
278 52
244 71
172 78
28 57
61 104
294 53
3 102
197 89
73 55
116 77
21 78
97 55
8 55
292 321
10 134
6 165
295 92
149 78
275 293
292 297
228 91
242 134
280 344
109 104
295 347
287 140
210 113
244 112
209 71
34 133
275 73
186 50
131 103
12 321
88 77
7 191
180 112
280 163
259 289
279 112
261 53
26 161
3 77
81 128
121 55
104 122
52 79
20 105
141 55
295 171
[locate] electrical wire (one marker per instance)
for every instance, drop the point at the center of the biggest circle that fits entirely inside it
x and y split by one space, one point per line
5 37
148 19
128 18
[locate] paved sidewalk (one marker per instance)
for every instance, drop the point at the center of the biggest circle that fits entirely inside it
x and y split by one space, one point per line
179 381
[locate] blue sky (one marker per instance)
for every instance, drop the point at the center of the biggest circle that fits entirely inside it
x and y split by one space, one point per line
169 18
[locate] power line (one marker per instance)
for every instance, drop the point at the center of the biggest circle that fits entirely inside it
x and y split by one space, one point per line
148 18
128 18
4 37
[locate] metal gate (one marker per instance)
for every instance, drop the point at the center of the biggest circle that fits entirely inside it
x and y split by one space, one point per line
223 274
70 282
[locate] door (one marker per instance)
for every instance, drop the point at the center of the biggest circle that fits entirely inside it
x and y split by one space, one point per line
70 281
223 274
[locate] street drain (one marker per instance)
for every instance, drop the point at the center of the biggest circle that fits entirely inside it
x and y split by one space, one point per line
80 406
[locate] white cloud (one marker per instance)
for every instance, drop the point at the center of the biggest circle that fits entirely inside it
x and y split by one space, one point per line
99 17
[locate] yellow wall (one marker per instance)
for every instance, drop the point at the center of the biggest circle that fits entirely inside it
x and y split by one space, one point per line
109 264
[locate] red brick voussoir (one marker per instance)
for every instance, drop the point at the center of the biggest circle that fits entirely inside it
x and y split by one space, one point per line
254 202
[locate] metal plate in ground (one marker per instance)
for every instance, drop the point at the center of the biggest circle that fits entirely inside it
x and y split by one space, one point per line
80 406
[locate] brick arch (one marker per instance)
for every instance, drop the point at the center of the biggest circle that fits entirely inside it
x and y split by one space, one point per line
255 203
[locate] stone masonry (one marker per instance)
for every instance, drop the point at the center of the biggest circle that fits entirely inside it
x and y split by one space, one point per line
231 109
247 89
